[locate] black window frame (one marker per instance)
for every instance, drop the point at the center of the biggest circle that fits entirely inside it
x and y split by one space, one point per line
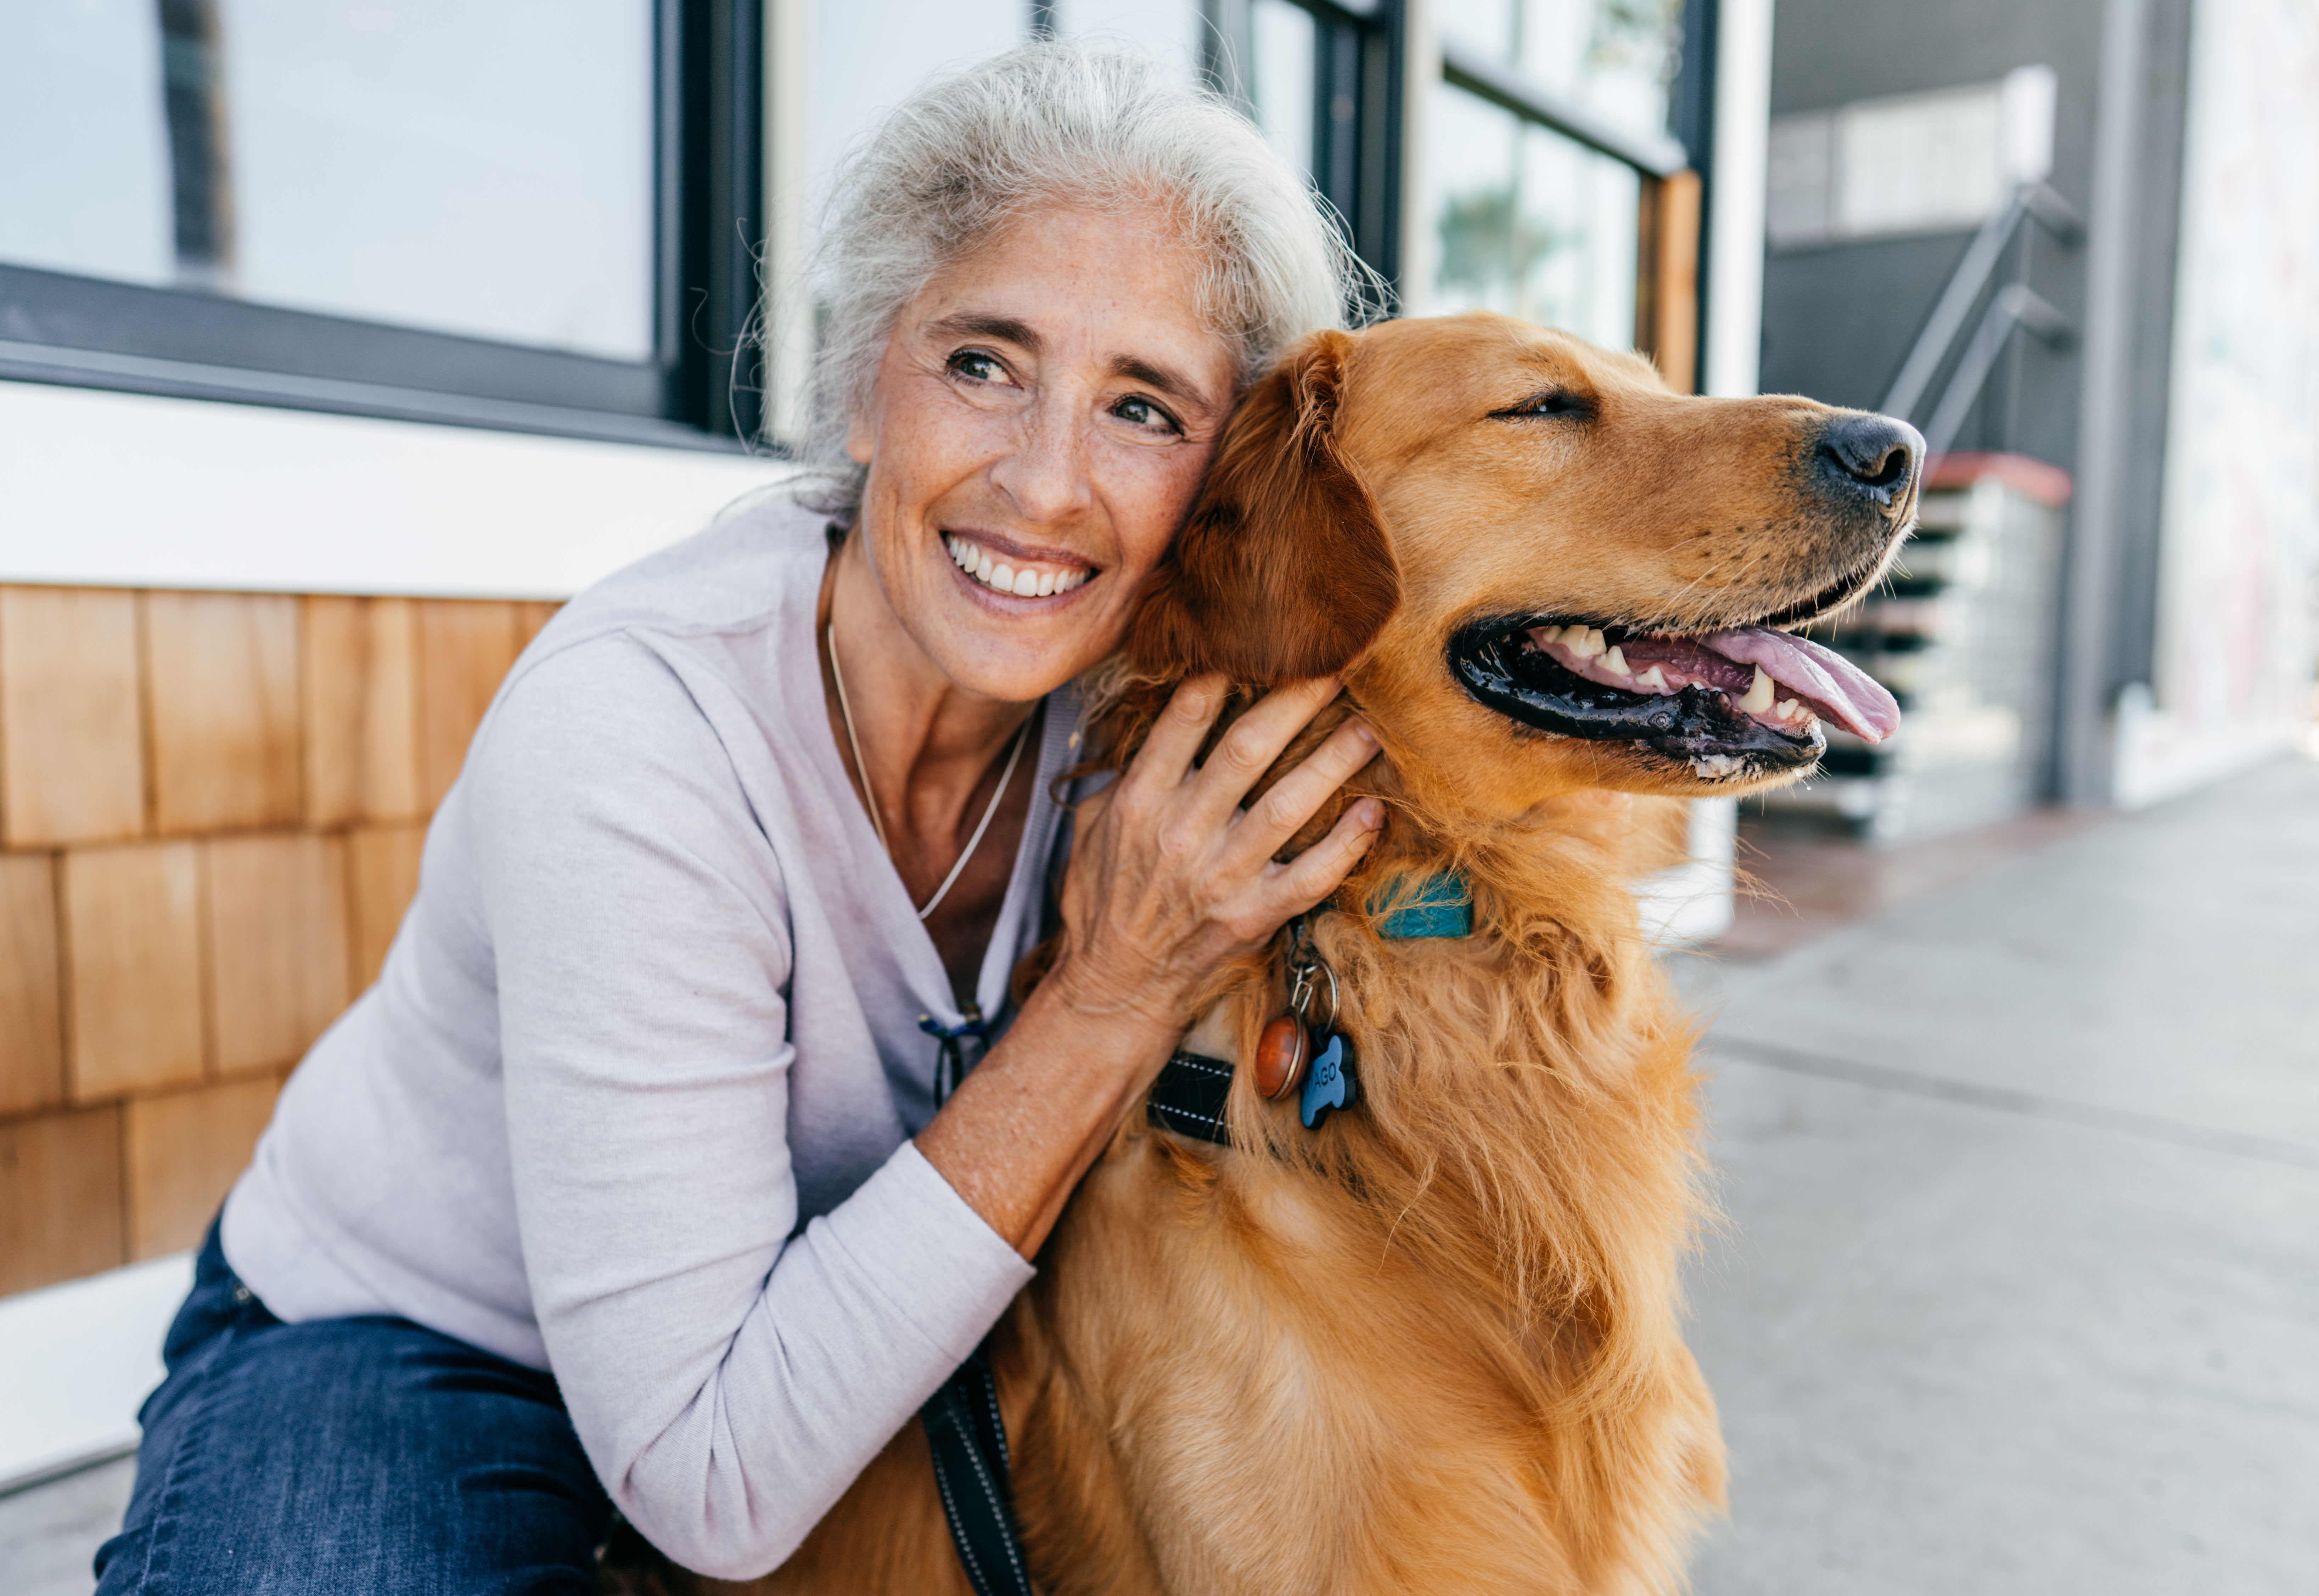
1358 68
701 388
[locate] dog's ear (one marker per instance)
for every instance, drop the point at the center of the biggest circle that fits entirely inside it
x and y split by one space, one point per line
1282 571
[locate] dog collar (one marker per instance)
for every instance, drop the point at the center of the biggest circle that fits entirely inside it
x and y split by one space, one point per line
1188 1098
1442 905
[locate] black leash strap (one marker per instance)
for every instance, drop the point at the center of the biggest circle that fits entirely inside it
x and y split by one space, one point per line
969 1440
963 1429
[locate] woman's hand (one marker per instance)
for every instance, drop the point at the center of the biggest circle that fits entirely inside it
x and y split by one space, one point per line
1169 877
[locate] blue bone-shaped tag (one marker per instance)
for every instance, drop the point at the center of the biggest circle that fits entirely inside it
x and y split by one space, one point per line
1330 1083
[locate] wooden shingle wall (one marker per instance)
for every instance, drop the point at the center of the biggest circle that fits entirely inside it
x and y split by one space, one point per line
212 807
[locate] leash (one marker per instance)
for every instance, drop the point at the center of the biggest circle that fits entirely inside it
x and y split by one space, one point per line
969 1442
963 1427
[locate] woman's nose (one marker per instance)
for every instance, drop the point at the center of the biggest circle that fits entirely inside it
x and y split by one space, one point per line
1045 475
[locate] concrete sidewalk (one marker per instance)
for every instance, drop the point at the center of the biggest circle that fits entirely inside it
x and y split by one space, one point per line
2021 1289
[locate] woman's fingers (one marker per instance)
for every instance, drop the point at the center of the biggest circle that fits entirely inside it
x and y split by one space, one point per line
1322 868
1249 748
1293 800
1167 754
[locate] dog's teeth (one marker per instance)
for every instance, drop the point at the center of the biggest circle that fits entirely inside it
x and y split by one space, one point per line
1615 663
1584 642
1652 678
1549 633
1759 694
1787 709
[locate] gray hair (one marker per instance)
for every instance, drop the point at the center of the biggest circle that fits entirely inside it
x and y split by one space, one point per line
1058 122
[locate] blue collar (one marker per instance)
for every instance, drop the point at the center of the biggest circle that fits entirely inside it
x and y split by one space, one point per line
1442 905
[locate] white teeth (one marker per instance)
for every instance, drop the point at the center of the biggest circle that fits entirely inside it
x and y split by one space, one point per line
1759 694
1584 642
1652 678
1024 583
1615 663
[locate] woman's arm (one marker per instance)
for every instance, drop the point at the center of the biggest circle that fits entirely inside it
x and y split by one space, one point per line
729 1372
1169 878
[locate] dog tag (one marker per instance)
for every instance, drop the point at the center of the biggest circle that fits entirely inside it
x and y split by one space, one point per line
1281 1055
1330 1083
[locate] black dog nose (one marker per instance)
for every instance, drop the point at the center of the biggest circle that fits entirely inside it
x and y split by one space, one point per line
1876 452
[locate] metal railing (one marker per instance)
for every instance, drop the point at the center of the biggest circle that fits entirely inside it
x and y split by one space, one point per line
2013 306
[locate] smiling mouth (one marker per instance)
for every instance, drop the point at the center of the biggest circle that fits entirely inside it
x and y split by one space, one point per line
1733 705
1015 577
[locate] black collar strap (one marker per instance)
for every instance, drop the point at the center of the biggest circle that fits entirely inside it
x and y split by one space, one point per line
1188 1097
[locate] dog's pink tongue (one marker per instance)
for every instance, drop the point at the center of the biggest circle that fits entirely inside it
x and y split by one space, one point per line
1834 687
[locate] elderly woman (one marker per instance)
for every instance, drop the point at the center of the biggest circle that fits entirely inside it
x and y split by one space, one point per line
646 1176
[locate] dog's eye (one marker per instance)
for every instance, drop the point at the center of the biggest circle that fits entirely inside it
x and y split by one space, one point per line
1553 401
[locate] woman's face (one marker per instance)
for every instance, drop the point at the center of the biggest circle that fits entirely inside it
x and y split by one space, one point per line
1039 422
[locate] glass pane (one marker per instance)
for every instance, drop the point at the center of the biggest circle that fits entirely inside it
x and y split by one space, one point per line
1169 29
484 169
1282 49
867 59
83 158
1615 57
1530 223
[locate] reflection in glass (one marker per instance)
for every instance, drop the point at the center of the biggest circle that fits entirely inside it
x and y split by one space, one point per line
1530 223
867 59
84 157
1279 77
483 169
1615 58
1171 30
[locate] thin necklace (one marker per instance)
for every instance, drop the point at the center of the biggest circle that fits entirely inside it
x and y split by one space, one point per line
869 800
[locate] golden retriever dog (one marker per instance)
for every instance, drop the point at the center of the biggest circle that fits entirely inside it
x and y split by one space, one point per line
1434 1344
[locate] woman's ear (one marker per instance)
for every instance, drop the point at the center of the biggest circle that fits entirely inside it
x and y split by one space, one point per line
1282 571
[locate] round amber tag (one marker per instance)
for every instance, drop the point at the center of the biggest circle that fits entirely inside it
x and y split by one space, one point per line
1281 1054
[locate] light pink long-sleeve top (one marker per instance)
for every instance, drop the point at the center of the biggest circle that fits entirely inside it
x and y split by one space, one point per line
632 1098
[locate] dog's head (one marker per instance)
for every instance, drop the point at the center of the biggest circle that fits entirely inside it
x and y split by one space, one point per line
1537 569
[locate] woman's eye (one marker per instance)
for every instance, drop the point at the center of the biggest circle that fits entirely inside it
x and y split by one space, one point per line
1139 412
977 366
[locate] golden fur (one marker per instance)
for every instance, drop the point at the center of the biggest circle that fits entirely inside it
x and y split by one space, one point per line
1435 1345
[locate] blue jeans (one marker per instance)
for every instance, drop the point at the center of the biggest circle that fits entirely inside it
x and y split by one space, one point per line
360 1456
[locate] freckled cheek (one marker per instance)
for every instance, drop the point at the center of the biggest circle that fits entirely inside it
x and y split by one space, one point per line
1147 493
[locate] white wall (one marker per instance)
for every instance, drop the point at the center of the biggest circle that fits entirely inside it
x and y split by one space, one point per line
2239 527
1735 242
127 490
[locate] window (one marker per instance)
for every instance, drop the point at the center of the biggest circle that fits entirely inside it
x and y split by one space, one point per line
1556 193
535 214
1322 81
1532 223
